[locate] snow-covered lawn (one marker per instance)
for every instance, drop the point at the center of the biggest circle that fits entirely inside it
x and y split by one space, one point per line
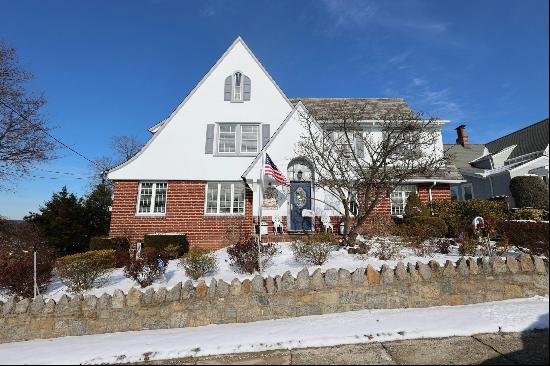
282 262
311 331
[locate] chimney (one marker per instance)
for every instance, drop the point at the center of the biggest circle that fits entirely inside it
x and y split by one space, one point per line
462 138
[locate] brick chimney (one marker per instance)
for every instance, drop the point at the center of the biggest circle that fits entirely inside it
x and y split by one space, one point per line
462 137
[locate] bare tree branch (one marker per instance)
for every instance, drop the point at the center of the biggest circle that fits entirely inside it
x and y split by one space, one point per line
24 138
361 162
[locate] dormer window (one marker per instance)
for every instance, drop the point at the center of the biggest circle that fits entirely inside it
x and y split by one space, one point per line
237 87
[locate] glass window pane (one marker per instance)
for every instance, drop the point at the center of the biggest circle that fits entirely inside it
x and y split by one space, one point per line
238 199
212 198
145 195
249 139
228 137
225 198
160 197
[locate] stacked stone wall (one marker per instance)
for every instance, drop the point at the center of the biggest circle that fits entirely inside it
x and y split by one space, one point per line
468 281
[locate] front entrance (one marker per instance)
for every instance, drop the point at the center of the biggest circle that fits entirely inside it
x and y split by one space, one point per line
300 199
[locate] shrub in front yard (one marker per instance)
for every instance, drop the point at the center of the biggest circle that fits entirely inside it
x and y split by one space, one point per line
199 263
244 254
529 191
535 214
17 241
175 244
314 248
532 236
313 253
458 215
415 207
83 271
378 225
114 243
150 266
468 246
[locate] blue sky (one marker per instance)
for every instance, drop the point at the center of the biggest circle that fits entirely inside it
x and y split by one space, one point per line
117 67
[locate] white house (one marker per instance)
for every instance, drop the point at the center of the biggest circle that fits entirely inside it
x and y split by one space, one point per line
199 172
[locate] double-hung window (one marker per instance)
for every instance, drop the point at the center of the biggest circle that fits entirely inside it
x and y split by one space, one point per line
399 197
227 138
236 138
152 198
224 198
249 138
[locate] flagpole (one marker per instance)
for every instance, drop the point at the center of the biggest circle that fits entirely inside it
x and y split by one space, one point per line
260 216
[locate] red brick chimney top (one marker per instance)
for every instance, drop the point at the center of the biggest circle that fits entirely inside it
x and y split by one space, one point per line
462 137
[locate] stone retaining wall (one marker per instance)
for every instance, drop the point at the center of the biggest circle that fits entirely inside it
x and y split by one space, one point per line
466 282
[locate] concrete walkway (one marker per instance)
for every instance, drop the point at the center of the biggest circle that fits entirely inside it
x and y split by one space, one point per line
527 348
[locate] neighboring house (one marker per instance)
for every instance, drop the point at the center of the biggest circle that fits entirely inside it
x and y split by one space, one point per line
489 168
199 173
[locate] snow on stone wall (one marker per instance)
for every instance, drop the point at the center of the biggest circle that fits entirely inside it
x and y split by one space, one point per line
469 281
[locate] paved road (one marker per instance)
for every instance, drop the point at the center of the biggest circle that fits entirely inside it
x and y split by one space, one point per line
528 348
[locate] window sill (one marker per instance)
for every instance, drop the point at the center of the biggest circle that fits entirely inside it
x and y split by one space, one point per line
150 214
214 215
236 154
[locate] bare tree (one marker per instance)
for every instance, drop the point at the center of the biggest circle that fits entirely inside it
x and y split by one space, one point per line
24 136
124 148
361 162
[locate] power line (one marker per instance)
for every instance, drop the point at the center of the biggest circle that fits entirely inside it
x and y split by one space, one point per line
51 136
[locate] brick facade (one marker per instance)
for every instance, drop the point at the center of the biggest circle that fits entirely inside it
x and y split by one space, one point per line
185 214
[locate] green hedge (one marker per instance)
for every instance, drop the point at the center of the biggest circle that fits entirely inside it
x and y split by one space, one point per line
460 214
424 226
529 191
162 241
115 243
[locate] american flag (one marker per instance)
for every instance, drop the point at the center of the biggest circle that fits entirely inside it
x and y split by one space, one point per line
270 169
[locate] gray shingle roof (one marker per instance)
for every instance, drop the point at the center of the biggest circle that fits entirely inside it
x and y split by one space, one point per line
461 156
370 108
530 139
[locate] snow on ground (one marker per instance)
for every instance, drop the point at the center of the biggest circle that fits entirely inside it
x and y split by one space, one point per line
282 262
311 331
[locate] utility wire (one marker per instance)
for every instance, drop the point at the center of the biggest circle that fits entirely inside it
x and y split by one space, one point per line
51 136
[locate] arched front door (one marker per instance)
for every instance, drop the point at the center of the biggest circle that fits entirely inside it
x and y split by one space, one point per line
300 174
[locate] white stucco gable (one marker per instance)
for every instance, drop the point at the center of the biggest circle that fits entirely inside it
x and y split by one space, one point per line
176 151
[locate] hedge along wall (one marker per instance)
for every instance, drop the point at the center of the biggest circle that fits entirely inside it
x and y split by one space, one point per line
469 281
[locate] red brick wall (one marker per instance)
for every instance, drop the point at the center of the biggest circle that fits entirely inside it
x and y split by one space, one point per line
184 213
439 192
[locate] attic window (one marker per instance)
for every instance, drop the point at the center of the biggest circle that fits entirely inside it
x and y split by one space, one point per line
237 87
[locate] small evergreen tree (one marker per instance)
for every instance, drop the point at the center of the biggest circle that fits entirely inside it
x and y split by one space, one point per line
529 191
96 206
61 222
415 207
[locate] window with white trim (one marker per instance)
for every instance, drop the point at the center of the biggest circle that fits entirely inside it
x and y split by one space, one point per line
467 192
224 198
152 198
399 197
238 138
249 138
237 86
227 141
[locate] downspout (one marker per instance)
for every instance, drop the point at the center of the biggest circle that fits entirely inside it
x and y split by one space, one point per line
430 195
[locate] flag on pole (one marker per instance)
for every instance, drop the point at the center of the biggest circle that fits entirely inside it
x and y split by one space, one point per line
271 170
